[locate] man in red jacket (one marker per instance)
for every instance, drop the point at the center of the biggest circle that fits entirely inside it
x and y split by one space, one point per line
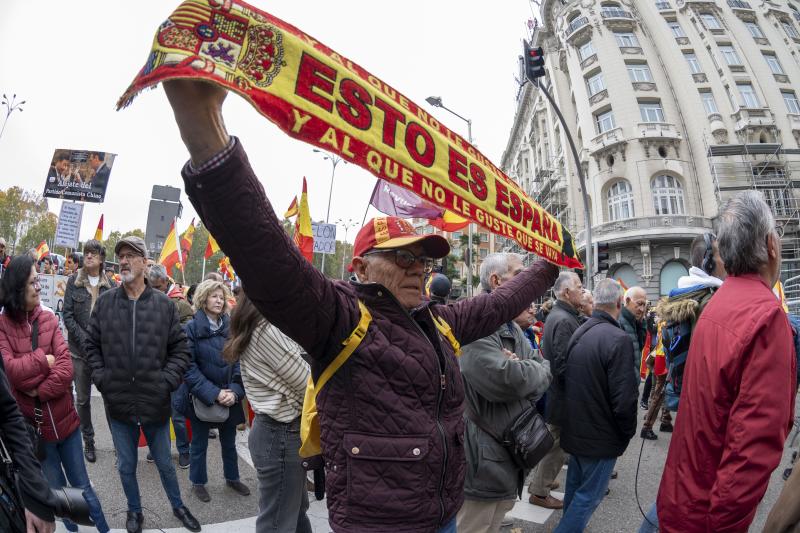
738 392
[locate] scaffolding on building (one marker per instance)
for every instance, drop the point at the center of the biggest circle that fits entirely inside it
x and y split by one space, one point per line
775 172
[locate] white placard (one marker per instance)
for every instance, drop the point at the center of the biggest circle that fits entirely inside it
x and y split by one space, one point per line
324 238
68 229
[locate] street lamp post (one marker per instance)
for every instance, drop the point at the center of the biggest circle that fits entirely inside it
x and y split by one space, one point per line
350 223
335 160
11 106
436 101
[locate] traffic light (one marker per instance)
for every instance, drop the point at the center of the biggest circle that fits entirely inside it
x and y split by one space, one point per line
533 60
600 257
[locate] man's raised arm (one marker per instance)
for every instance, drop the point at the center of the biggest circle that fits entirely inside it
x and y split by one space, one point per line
478 317
231 202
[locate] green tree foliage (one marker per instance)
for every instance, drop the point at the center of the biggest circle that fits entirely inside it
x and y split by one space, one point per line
43 230
193 273
20 210
333 263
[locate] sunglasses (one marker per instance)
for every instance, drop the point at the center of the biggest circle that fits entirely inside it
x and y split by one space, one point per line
405 259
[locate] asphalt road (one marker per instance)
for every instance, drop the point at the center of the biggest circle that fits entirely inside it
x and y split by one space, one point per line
229 512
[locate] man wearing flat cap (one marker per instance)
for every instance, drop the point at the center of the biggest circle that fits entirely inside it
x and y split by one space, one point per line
391 416
138 353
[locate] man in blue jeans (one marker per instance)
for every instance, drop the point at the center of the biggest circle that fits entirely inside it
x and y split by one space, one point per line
138 353
600 406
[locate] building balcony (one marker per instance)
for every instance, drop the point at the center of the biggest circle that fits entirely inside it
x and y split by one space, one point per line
658 130
577 29
747 117
700 77
617 19
589 61
781 78
615 13
738 4
683 4
644 86
649 228
631 50
607 138
598 97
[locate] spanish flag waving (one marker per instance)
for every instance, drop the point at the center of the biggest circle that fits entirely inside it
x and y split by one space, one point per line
171 252
303 234
42 251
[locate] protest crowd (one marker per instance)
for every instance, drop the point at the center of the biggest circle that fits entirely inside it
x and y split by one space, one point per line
432 412
405 408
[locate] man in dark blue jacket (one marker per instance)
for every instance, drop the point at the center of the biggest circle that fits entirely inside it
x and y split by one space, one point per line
599 406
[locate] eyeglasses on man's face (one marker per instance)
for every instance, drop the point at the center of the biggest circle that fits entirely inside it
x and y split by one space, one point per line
405 259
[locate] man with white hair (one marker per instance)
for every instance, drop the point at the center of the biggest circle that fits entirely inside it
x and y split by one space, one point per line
503 375
599 406
561 323
737 400
632 321
587 306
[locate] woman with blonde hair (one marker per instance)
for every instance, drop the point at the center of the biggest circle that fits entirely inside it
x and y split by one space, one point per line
209 383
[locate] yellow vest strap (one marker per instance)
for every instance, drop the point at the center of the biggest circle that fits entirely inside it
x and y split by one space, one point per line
350 344
445 329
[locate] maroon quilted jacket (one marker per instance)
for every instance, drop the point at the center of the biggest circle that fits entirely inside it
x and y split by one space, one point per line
28 370
392 417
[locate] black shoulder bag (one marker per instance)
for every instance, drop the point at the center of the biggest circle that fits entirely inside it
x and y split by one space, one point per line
527 439
35 427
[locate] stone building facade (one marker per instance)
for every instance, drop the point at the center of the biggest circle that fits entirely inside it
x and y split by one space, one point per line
674 105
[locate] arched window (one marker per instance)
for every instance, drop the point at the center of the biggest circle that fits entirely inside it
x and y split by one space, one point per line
670 273
620 201
626 274
667 195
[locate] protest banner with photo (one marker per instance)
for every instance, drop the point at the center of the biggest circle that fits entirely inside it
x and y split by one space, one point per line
80 175
69 225
52 290
316 95
324 238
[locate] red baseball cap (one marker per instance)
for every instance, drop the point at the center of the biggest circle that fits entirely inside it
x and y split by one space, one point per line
383 233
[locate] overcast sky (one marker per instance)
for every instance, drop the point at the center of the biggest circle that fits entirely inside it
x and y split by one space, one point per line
71 61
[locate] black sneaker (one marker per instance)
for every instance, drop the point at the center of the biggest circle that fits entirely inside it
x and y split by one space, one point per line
183 460
643 405
647 433
150 458
89 452
133 524
186 518
666 428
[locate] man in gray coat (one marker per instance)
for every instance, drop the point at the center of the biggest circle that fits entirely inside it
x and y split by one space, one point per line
502 375
632 321
561 323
